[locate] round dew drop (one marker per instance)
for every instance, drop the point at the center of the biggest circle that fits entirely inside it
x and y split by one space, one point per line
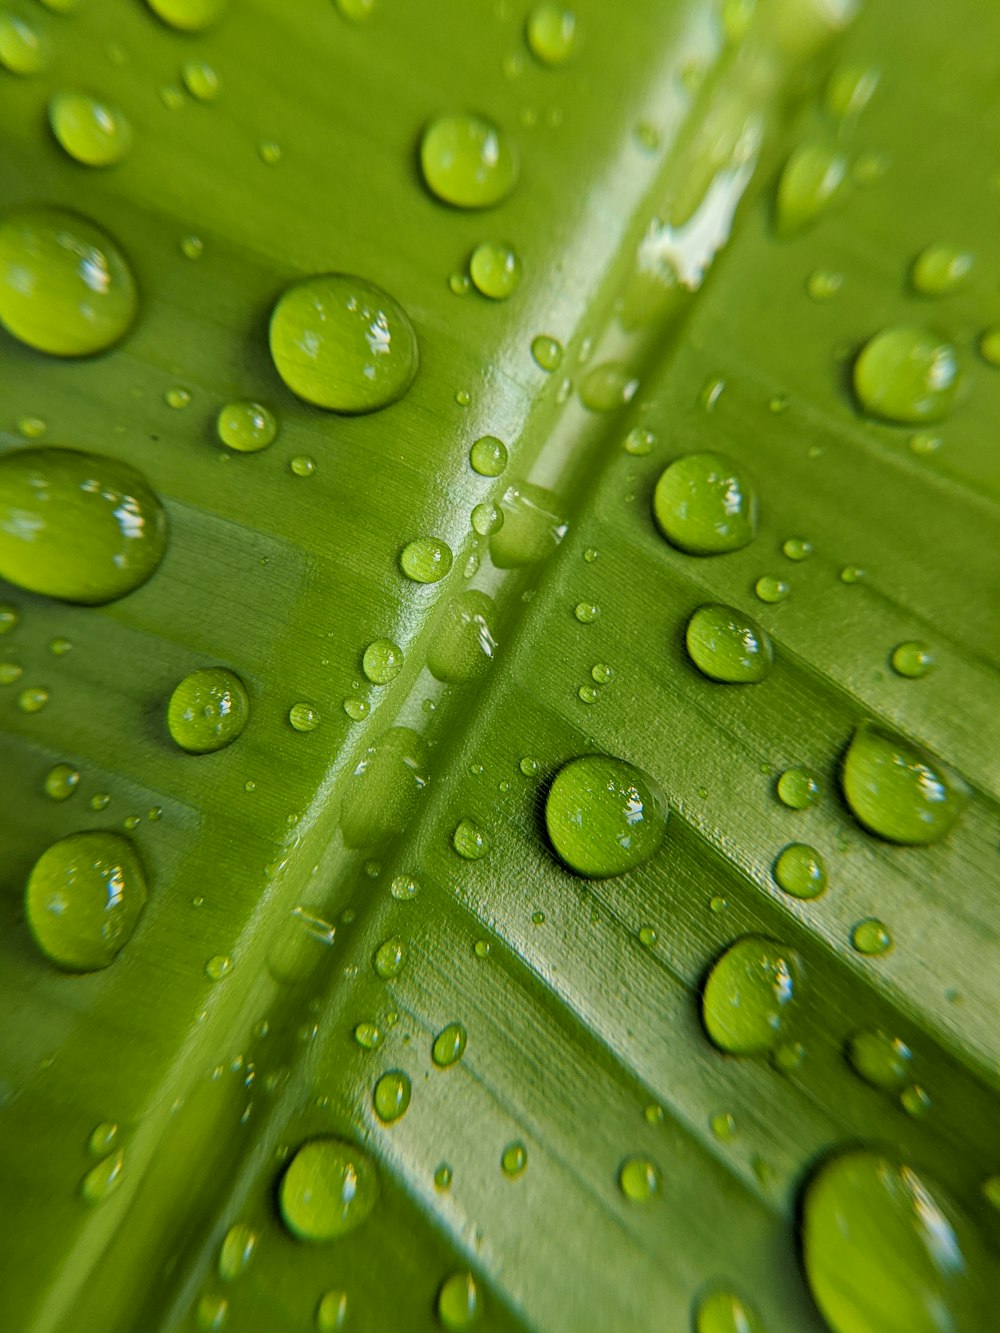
236 1251
382 661
201 80
391 1098
92 132
426 559
304 717
468 161
102 1180
800 871
885 1249
208 710
551 34
389 959
798 789
547 352
727 646
514 1159
22 50
459 1304
83 899
989 346
331 1313
940 269
771 589
449 1045
812 178
246 427
488 456
639 1179
61 782
470 841
329 1188
342 343
911 660
604 816
882 1061
906 375
725 1312
212 1313
65 287
495 270
749 995
705 504
189 15
897 791
871 938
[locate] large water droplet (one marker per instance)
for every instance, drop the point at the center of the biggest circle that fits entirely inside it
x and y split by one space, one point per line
342 343
83 898
604 816
551 34
382 661
246 427
459 1304
208 710
882 1061
705 504
65 287
749 994
382 792
800 871
189 15
886 1251
798 788
907 375
463 644
812 178
329 1188
940 269
468 161
22 49
92 132
77 526
426 559
533 526
488 456
726 645
638 1179
897 791
495 269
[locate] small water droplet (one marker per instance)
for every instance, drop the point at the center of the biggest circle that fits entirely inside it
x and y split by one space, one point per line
871 937
201 80
989 345
236 1251
800 871
100 801
486 519
425 559
811 179
356 709
749 995
823 284
495 270
192 247
270 154
331 1312
23 50
459 1303
727 646
883 1061
798 788
488 456
639 442
604 816
391 1097
449 1046
725 1312
217 967
403 888
61 782
389 958
769 588
797 548
91 132
302 465
547 352
852 574
102 1180
906 375
607 387
639 1179
304 717
103 1138
912 660
704 504
710 393
586 612
467 161
208 710
382 661
246 427
940 269
551 34
469 840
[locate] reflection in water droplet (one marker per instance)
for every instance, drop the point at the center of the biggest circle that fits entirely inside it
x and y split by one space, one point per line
392 1096
705 504
899 792
467 161
800 871
749 995
328 1189
459 1304
495 269
92 132
940 269
604 816
208 710
871 937
727 646
551 34
906 375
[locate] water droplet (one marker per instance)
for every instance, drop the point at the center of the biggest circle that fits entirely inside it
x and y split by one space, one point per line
486 519
425 559
33 699
915 1101
912 660
467 161
850 89
723 1125
381 794
61 782
32 428
369 1035
607 387
22 49
92 132
798 788
459 1305
514 1159
749 994
885 1248
586 612
469 840
639 1179
331 1313
302 465
449 1045
356 709
208 710
882 1061
65 287
102 1180
726 645
389 958
236 1251
392 1096
604 816
648 136
269 153
100 801
533 526
771 589
246 427
852 574
192 247
989 345
201 80
462 642
488 456
495 269
811 179
710 393
547 352
60 647
329 1189
800 871
217 967
77 526
725 1312
647 936
602 673
8 617
83 898
304 717
907 375
212 1313
897 791
443 1177
705 505
382 661
103 1138
551 34
404 888
940 269
823 284
342 343
797 548
188 15
871 938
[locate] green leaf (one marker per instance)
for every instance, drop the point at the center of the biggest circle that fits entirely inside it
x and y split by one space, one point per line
366 934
